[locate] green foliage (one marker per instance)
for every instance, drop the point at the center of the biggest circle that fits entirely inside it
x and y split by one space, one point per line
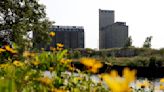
128 42
29 76
49 59
138 61
123 56
155 61
19 17
147 43
161 51
76 54
8 54
7 85
61 54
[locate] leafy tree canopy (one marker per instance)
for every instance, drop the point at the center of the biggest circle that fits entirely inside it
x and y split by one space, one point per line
147 43
19 17
128 42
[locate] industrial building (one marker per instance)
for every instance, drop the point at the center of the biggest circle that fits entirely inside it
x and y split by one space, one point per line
70 36
111 34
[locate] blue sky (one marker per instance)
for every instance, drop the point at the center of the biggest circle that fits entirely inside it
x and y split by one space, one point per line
144 17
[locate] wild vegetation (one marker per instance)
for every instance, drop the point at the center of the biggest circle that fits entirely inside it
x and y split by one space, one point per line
24 68
130 56
53 71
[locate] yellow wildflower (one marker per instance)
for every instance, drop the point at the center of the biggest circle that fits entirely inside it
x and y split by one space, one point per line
60 45
45 80
65 61
71 68
57 90
7 47
18 63
162 80
117 83
28 54
52 34
97 65
93 70
2 50
58 48
62 60
92 64
36 63
161 87
113 73
88 61
52 48
129 75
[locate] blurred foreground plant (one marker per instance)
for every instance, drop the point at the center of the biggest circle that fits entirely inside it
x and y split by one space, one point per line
117 83
92 64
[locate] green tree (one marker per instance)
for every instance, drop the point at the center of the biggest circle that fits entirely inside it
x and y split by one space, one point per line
147 43
19 17
128 42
